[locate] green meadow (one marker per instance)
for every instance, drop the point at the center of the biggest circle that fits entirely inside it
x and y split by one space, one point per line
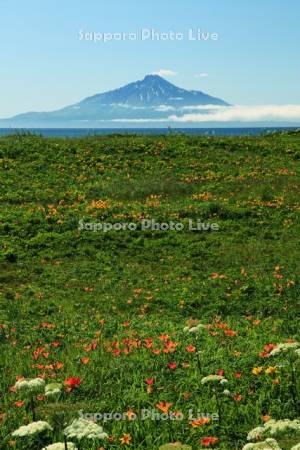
128 323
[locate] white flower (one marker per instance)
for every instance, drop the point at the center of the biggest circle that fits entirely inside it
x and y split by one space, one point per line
277 426
30 385
60 446
268 444
226 392
195 329
32 428
53 389
256 433
285 347
296 447
214 378
82 428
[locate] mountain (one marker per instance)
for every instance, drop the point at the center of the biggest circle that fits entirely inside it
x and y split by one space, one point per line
152 98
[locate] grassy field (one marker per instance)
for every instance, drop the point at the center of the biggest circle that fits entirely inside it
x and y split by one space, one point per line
129 323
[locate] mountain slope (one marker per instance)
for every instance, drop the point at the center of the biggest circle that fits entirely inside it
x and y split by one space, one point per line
152 98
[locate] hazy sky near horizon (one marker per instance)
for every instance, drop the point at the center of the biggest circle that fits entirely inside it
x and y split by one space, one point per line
45 66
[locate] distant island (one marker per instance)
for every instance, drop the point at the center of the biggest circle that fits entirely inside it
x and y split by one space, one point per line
151 100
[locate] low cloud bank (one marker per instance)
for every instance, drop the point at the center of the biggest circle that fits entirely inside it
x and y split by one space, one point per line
239 113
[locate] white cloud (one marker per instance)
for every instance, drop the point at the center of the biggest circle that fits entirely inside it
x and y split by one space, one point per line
259 113
165 73
202 107
163 108
201 75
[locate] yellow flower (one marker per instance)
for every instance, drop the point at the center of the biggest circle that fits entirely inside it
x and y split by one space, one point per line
126 439
257 370
271 370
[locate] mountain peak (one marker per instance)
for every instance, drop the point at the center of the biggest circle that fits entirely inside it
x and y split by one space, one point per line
152 98
153 76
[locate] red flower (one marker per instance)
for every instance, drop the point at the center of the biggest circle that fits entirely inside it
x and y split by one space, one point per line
190 348
221 372
19 403
207 441
150 381
72 382
85 360
238 374
230 332
172 365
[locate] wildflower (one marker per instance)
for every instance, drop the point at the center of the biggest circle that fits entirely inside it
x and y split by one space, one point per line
199 422
296 447
72 382
126 439
230 332
82 428
53 390
30 385
271 370
190 348
59 365
150 381
85 360
130 414
207 441
283 348
19 403
60 446
256 434
172 365
266 418
277 426
257 370
268 444
164 337
214 378
32 428
195 329
164 406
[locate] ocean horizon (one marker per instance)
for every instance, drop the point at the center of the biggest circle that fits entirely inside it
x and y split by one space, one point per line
81 132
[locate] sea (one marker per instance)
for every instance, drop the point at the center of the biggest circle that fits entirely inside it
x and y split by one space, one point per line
81 132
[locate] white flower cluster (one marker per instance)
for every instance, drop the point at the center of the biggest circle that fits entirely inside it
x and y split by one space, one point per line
195 329
32 428
53 390
296 447
277 426
60 446
30 385
214 378
272 428
82 428
257 433
268 444
285 347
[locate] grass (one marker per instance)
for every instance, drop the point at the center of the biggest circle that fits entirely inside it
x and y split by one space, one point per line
110 308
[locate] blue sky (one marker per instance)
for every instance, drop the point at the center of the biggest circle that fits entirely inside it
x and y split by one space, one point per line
45 66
